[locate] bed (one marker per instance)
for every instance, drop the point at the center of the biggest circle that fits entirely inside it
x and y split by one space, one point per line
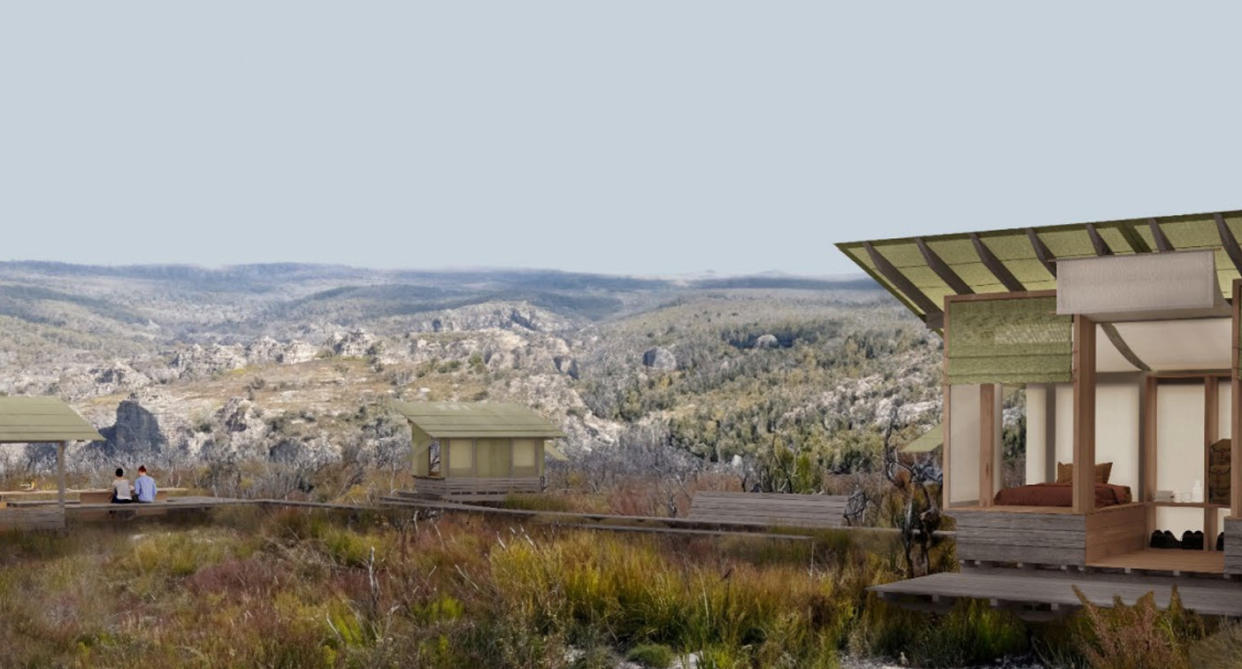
1060 494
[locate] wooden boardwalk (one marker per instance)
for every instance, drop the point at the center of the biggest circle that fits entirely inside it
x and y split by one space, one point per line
1041 594
571 518
666 524
770 509
43 518
42 515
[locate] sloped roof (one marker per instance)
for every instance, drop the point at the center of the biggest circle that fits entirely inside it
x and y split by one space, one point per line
42 419
921 271
477 419
930 441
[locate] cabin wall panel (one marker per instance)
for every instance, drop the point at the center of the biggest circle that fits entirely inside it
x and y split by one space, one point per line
964 439
1038 441
1116 531
1065 424
1179 450
421 444
1233 545
1117 431
1031 538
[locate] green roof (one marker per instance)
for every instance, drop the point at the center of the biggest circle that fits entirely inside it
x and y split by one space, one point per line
930 441
42 419
921 271
477 419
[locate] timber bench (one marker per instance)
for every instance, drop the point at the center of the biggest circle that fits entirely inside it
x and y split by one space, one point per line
103 496
772 509
18 498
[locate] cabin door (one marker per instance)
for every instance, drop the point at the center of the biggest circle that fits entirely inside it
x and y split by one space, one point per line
495 458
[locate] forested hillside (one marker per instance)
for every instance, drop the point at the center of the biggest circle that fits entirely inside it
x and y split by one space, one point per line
292 366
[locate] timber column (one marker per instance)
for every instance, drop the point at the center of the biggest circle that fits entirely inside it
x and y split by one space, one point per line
1084 415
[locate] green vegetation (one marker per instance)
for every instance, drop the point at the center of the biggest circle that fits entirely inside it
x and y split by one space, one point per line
654 655
297 589
306 589
823 387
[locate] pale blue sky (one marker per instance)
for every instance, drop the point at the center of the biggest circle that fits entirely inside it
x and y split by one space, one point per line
626 137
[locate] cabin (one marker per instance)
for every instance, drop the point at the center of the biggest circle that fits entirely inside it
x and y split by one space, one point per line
1118 342
478 450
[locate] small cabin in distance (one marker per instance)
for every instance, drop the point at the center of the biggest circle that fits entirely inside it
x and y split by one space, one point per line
477 450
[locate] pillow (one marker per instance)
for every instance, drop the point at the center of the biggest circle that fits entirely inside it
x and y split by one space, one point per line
1065 472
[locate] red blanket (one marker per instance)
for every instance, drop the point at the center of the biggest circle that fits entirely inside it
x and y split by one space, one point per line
1060 494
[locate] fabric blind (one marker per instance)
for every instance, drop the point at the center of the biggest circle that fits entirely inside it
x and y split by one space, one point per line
1237 331
1015 341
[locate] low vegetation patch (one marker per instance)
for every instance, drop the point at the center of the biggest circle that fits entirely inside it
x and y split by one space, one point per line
308 589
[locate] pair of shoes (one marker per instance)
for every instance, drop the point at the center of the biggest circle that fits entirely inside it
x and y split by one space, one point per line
1164 539
1220 541
1192 540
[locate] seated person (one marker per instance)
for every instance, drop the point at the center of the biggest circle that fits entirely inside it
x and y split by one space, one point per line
121 488
144 486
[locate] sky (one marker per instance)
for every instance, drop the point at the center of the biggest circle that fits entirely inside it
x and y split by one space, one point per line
635 137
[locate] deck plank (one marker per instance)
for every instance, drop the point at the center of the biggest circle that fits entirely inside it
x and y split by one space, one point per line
1207 596
774 509
1174 559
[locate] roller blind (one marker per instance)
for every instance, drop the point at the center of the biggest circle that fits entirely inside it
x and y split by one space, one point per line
1020 340
1237 331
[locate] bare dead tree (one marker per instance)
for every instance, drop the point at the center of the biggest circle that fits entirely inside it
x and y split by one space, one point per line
920 516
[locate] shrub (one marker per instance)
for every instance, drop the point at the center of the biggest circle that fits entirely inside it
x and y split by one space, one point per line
655 655
1140 636
1222 650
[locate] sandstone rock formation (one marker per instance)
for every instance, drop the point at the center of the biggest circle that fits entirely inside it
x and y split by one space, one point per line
660 359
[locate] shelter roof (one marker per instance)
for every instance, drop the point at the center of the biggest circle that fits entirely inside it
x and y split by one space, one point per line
42 419
928 442
477 419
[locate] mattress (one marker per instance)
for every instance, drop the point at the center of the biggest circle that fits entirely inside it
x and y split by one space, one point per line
1060 494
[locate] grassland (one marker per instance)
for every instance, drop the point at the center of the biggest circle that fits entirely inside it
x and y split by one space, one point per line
302 589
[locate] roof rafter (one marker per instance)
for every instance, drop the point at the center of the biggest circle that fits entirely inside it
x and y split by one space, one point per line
1045 256
995 266
901 282
1097 242
1229 242
942 269
1157 233
1137 244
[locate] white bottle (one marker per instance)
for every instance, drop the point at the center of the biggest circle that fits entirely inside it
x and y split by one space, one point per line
1196 493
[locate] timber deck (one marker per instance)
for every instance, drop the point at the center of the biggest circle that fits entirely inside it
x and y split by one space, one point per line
1043 594
1174 561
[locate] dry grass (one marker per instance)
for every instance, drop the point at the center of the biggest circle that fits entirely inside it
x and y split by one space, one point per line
305 589
1141 636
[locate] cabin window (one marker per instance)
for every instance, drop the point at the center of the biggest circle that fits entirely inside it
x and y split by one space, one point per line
524 454
461 456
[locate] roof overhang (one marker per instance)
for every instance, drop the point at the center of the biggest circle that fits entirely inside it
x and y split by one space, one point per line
922 271
26 420
480 420
928 442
